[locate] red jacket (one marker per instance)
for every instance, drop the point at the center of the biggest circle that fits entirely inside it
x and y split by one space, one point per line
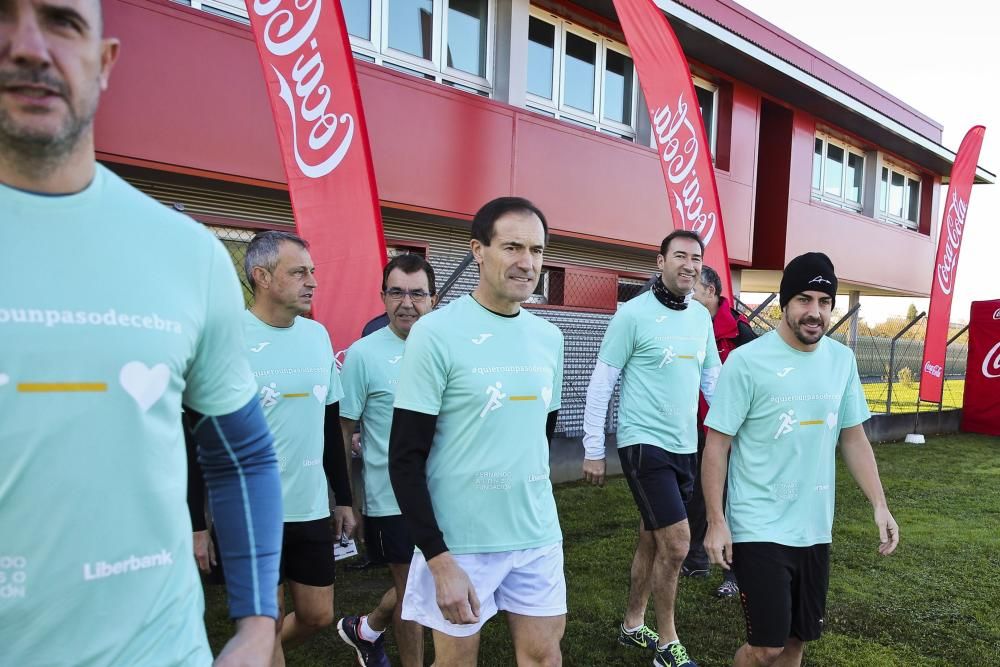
728 337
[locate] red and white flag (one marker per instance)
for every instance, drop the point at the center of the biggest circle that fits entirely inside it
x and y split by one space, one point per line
306 56
946 265
681 140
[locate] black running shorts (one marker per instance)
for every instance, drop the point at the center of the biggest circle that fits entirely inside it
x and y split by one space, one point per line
307 553
661 483
387 540
783 590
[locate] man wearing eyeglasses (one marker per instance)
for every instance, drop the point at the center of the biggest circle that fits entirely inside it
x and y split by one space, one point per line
370 375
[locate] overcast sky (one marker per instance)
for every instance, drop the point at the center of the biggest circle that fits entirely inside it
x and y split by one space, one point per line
941 59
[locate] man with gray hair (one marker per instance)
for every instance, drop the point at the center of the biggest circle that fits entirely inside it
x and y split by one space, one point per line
299 390
138 318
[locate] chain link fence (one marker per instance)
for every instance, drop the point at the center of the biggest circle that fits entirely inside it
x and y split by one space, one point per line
889 356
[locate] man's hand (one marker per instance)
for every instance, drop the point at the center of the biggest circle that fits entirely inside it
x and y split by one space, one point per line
593 471
456 596
204 550
719 544
343 521
356 444
888 531
251 646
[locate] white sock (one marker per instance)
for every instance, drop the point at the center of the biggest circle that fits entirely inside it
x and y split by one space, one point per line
660 648
636 628
366 632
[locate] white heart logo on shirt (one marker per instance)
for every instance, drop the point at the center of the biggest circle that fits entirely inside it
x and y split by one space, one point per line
319 391
547 396
831 420
145 385
4 379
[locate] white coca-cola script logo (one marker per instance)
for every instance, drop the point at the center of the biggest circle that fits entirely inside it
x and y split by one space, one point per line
991 364
933 369
679 144
954 226
996 314
320 138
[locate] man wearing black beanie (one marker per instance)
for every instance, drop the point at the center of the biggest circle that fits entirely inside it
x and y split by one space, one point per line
784 403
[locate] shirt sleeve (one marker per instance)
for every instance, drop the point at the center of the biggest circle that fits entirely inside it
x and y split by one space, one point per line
218 379
557 380
336 389
712 359
424 372
733 396
619 341
354 379
854 406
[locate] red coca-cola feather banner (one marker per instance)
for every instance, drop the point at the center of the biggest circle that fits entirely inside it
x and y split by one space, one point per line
681 140
306 56
946 266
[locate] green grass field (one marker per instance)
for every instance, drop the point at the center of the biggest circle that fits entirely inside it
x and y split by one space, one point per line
934 603
904 396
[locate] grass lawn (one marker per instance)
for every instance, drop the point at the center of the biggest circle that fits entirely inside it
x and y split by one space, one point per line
904 396
935 602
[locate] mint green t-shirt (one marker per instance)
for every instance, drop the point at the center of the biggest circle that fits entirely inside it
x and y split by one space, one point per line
370 375
491 381
786 409
297 378
113 311
661 353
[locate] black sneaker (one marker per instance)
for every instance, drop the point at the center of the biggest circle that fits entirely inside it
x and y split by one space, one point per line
370 654
644 637
695 572
728 589
673 655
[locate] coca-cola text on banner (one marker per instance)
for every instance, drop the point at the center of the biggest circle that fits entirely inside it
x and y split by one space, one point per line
306 58
681 140
946 265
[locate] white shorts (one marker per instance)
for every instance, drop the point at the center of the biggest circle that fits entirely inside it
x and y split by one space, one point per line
529 582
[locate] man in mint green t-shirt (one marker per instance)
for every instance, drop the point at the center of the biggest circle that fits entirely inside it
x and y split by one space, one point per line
370 375
476 403
299 389
662 345
783 404
114 312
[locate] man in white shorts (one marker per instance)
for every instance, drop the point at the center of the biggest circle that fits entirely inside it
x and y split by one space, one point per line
476 404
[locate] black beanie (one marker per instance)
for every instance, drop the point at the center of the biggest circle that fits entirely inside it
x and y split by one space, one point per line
812 271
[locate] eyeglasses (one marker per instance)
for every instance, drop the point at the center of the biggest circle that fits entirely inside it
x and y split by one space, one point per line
416 295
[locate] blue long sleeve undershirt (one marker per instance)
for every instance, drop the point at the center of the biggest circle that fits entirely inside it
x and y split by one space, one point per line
236 456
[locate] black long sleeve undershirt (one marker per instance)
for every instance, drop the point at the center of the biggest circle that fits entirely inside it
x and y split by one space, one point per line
335 457
196 482
410 442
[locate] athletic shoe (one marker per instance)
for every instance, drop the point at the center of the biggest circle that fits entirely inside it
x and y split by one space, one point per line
728 589
673 655
370 654
696 572
641 638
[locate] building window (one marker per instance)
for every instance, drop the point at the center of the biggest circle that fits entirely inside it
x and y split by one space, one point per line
449 41
580 77
838 173
629 288
708 103
899 196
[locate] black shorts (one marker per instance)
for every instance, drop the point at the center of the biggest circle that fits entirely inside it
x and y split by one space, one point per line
783 590
387 540
307 553
661 483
